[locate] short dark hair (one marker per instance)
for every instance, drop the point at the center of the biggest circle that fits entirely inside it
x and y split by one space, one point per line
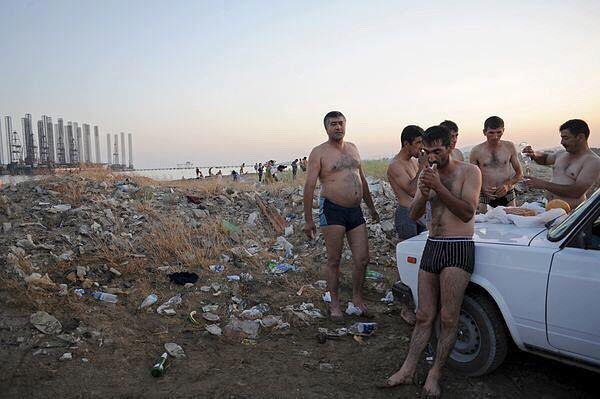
437 133
410 133
576 126
453 127
332 114
493 122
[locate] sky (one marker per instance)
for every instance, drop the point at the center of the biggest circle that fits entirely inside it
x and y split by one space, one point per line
224 82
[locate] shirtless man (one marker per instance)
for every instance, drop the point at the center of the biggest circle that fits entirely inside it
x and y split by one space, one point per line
453 127
403 174
575 170
495 158
336 163
447 262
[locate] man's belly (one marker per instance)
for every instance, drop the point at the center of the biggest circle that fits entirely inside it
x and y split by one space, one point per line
343 190
495 178
449 225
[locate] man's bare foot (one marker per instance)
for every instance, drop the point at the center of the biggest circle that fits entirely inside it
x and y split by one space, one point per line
432 389
400 377
407 315
359 303
335 311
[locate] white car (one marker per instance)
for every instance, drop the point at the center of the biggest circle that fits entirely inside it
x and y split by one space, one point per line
538 286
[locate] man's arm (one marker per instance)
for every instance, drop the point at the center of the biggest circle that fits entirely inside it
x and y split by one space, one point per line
588 176
541 158
418 205
312 174
400 181
463 207
510 182
367 196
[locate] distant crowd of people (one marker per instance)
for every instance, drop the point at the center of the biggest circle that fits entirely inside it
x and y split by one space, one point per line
267 171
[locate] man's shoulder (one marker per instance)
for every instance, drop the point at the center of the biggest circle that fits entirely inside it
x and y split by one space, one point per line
398 164
508 144
467 167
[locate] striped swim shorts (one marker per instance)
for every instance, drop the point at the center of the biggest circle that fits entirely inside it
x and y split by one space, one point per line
441 252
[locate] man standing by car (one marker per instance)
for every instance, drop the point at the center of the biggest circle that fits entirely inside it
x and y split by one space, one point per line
453 127
336 163
403 174
574 170
499 164
448 191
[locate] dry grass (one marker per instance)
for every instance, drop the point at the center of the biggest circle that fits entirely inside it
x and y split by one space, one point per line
172 242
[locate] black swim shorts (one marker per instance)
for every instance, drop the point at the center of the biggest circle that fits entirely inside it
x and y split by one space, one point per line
441 252
332 214
502 201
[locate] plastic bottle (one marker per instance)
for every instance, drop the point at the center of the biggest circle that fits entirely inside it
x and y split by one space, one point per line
159 368
362 328
150 300
102 296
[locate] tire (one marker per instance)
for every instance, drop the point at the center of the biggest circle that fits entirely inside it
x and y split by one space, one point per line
482 341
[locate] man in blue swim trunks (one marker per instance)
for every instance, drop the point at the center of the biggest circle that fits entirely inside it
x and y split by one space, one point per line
336 163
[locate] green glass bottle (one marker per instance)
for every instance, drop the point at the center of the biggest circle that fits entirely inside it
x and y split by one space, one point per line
159 368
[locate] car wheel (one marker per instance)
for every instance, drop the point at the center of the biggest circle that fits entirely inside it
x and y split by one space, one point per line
482 342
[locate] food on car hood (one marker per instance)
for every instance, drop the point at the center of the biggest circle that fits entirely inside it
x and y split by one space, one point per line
558 203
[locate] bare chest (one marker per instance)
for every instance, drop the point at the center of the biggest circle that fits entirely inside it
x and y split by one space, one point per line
340 162
565 167
495 159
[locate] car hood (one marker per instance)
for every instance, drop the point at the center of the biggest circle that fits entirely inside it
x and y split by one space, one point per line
495 233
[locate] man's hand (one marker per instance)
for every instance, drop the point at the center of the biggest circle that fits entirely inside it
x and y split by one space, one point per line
423 163
431 178
534 182
310 229
528 152
502 190
422 187
374 216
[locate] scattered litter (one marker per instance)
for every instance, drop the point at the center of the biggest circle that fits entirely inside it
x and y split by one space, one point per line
373 275
233 278
280 268
327 297
214 329
182 278
45 322
232 228
174 350
210 317
168 307
285 245
217 268
362 328
159 367
250 328
389 297
210 308
352 310
149 301
66 356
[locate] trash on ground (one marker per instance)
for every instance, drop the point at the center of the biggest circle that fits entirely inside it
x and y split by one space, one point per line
362 328
103 296
327 297
389 297
168 307
214 329
280 268
45 322
373 275
149 301
159 367
174 350
182 278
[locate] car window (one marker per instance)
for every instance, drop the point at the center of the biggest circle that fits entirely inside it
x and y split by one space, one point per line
588 237
559 231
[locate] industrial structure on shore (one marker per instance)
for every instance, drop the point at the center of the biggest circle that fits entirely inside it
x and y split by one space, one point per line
56 146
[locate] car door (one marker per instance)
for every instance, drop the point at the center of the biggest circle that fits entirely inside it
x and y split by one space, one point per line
573 297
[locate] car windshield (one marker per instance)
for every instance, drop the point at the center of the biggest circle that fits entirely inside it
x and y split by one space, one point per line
557 232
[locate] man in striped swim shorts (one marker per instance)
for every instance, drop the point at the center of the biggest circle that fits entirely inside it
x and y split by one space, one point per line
448 194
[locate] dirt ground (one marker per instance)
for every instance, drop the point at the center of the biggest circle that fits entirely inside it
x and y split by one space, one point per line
284 364
154 230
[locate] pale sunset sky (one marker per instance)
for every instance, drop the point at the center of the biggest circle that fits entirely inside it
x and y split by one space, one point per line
224 82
